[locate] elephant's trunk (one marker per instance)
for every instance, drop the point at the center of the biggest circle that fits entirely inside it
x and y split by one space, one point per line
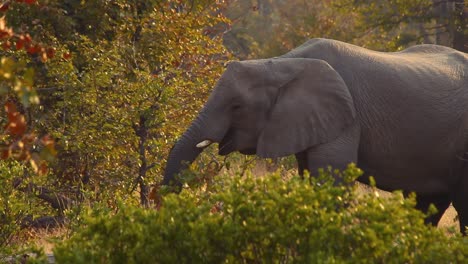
183 154
204 129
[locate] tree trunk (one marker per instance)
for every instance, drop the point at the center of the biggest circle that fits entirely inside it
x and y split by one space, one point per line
451 18
141 131
442 12
460 40
55 200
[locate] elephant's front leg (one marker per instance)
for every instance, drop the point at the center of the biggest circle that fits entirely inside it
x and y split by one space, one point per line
460 202
301 158
337 153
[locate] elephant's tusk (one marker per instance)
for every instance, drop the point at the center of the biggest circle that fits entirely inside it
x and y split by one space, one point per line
204 143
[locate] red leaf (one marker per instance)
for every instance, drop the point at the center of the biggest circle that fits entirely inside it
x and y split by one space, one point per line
4 7
47 141
29 138
66 56
42 170
50 52
34 49
16 125
19 44
16 122
10 108
4 33
27 38
5 154
6 45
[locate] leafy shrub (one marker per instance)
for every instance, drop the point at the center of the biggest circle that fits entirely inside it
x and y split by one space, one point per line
265 219
14 210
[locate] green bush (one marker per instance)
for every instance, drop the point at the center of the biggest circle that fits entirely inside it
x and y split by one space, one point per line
15 207
267 219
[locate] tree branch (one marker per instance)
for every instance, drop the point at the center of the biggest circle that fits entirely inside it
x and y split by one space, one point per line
56 201
43 222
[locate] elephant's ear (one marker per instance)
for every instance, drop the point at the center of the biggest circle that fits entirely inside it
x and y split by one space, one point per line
312 106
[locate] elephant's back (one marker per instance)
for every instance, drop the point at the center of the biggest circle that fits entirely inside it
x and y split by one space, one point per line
340 54
424 71
437 61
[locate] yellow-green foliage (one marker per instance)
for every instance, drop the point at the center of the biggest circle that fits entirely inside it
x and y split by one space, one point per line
268 220
16 207
119 66
12 208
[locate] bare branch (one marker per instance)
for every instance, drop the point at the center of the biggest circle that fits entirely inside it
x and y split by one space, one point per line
56 201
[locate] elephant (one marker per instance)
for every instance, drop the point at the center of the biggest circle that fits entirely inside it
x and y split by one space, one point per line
402 117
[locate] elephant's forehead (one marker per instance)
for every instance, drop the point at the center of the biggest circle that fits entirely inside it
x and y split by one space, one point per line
254 62
249 71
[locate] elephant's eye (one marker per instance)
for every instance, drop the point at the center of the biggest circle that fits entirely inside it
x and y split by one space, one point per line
236 107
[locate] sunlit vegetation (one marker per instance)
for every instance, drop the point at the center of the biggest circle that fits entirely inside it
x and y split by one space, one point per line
95 93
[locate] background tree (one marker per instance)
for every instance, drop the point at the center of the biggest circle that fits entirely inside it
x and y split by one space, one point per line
393 25
271 27
120 71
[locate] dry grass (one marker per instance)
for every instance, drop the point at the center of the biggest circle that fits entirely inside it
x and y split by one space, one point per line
45 238
41 238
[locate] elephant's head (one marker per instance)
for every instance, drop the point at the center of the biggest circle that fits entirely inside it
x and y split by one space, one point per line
271 108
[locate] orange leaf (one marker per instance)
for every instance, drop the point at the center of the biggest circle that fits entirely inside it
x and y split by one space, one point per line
43 169
4 30
5 154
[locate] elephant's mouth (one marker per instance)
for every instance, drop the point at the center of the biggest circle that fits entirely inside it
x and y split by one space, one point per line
226 145
229 145
248 151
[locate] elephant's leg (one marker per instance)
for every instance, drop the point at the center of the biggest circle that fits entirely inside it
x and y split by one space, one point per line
460 202
301 158
463 217
337 153
441 202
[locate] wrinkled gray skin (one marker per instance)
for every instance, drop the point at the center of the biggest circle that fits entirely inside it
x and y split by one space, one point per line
401 117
